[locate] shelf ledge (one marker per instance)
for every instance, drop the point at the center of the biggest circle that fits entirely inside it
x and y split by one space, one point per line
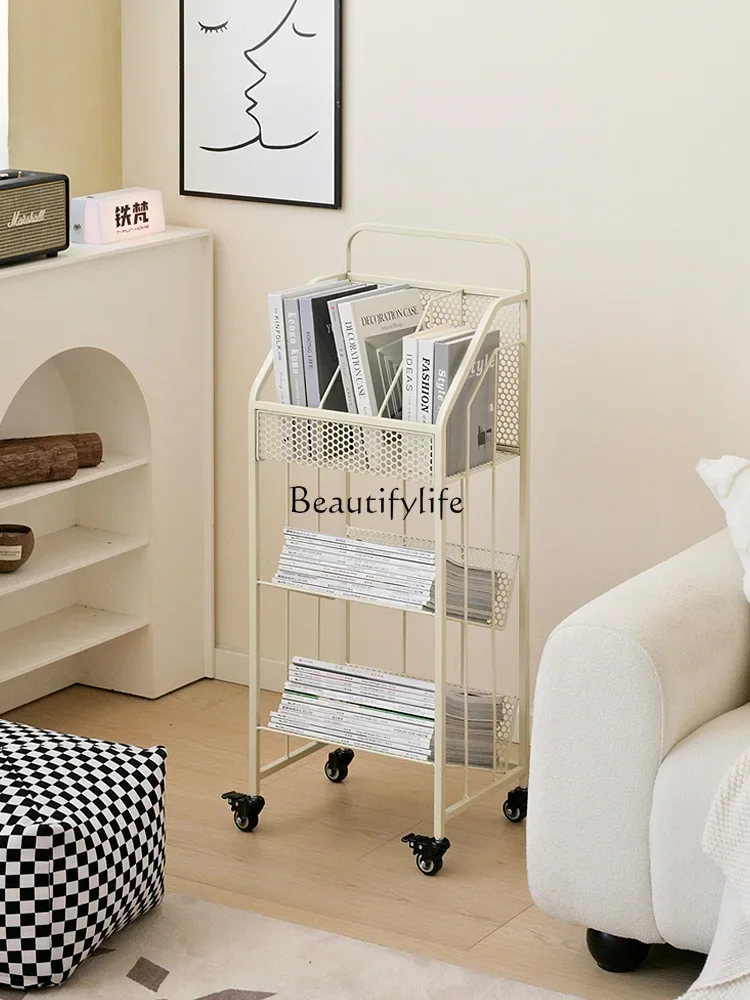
55 637
111 465
67 551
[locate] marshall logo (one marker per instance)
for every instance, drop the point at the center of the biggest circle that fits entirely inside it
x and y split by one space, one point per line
27 218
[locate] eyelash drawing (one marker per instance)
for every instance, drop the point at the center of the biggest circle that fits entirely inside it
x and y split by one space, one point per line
304 34
206 28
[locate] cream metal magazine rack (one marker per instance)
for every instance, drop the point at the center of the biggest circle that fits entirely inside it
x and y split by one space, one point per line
393 449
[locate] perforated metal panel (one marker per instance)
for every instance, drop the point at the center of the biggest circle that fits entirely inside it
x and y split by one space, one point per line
507 414
507 713
332 444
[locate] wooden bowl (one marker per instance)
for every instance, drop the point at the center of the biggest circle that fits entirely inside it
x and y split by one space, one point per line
16 545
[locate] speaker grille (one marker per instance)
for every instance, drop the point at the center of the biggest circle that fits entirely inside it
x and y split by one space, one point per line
51 234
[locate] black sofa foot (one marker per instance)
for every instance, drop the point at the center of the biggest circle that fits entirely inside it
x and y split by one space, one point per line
616 954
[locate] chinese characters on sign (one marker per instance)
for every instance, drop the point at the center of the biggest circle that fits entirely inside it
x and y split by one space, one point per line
131 215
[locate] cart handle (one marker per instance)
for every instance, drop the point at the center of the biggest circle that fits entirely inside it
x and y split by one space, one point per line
439 234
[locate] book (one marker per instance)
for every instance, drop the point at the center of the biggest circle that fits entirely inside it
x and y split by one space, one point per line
477 417
449 353
319 354
294 351
409 374
309 344
346 374
370 325
426 368
278 335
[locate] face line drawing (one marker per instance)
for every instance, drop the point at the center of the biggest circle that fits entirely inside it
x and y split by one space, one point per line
259 137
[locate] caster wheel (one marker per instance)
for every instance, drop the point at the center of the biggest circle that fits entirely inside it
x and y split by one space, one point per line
246 823
428 866
428 852
246 809
515 806
337 766
336 774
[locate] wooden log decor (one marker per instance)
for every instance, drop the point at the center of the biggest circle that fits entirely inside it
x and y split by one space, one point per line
88 446
26 464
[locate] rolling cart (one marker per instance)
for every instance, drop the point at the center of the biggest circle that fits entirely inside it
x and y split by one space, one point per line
415 453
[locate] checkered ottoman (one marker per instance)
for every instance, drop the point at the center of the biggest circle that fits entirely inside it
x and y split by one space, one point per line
81 848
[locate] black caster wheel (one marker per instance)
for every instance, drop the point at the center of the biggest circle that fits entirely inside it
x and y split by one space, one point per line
616 954
246 809
515 806
337 766
246 823
428 866
428 852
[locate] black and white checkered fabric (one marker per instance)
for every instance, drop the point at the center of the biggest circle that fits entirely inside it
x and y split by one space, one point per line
82 845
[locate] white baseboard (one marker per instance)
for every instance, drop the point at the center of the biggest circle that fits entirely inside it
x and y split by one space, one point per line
235 668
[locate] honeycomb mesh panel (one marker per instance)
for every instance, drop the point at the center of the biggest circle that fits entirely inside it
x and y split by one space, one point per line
328 443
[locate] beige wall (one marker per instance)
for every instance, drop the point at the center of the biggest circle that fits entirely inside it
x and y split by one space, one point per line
65 90
612 142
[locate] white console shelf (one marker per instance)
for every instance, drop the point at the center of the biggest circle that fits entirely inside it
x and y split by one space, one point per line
118 592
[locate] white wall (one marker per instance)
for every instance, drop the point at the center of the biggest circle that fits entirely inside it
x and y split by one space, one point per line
3 83
612 140
65 96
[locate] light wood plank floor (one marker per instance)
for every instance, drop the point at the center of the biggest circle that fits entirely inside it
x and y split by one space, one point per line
330 855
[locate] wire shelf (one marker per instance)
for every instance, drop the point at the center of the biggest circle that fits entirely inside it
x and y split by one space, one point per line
507 709
505 565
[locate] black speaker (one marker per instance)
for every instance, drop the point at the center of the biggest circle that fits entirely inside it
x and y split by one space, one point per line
34 214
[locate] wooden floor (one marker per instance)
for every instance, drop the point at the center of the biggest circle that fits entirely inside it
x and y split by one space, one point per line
330 855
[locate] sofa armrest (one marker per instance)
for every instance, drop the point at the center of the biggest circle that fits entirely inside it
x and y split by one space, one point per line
620 683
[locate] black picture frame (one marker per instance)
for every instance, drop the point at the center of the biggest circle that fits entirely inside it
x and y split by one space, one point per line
338 129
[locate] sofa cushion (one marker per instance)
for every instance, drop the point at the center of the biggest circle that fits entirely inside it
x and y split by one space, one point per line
728 478
687 885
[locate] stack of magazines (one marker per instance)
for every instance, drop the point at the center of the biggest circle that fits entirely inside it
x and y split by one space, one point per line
479 605
389 713
346 567
395 575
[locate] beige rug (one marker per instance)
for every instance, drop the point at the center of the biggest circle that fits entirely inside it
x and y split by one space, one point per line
192 950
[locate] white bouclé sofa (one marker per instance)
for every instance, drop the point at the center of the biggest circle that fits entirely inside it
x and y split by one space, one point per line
641 707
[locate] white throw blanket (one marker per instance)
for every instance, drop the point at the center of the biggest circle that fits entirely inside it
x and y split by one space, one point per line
726 974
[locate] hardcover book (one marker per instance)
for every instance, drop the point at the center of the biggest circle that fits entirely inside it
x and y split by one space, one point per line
278 335
338 336
449 353
320 358
475 420
425 388
371 326
294 351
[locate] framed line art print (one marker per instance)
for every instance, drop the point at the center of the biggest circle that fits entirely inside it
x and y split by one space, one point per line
260 100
